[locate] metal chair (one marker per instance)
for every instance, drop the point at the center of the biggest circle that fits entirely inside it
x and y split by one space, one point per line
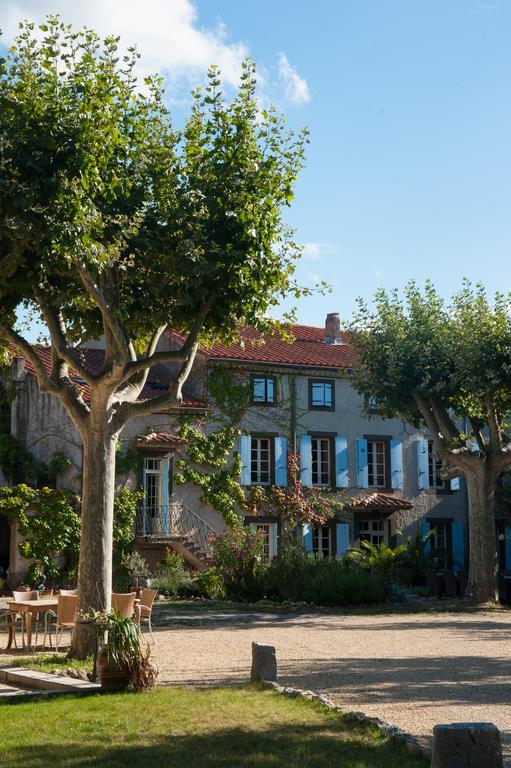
144 610
124 603
65 618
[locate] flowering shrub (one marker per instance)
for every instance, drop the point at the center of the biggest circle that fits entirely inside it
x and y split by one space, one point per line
238 558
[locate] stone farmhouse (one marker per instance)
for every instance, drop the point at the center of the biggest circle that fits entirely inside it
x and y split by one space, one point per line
301 400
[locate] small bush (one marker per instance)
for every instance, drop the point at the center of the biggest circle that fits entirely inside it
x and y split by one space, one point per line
171 575
238 558
208 584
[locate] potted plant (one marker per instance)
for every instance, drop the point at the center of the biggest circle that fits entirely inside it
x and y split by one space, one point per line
121 660
138 569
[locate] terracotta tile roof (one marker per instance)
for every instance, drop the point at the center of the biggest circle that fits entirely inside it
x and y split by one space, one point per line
384 502
307 349
92 360
160 440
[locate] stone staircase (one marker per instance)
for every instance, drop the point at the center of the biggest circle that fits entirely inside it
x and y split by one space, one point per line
178 527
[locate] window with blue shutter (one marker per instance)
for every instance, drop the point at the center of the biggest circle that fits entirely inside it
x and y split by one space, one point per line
307 537
280 461
423 464
458 546
396 464
425 528
245 446
362 469
342 539
306 460
341 462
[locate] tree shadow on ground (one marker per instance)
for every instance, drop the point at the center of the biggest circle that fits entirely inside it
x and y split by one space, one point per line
300 746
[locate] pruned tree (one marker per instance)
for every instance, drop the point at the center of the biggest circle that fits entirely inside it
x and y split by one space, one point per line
447 366
113 224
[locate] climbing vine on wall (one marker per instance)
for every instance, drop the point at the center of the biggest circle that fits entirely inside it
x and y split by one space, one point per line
48 519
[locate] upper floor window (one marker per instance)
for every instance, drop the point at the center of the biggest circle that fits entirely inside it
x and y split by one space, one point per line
321 394
377 463
371 404
263 390
260 460
434 466
153 485
321 461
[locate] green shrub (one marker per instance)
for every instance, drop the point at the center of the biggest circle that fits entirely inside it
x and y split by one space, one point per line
238 558
297 577
208 584
171 574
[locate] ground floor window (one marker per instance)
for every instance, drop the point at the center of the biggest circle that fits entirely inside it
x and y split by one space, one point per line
372 530
266 529
322 540
440 543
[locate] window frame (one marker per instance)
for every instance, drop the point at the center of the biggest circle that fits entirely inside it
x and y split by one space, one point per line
435 522
317 437
264 403
385 439
381 533
445 486
316 531
271 458
331 383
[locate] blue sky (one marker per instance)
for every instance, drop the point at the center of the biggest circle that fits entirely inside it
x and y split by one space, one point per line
408 103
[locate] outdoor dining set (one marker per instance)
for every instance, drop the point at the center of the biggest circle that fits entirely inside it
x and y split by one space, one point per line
33 611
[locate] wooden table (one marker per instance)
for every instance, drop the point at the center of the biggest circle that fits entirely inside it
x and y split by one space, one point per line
28 608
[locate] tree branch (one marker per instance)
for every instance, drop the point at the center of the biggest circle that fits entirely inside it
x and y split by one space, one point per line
64 390
447 427
112 325
138 379
494 427
56 326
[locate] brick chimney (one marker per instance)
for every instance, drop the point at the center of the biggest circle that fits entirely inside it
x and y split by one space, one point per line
333 329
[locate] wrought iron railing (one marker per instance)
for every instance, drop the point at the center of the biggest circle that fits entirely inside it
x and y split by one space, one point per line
174 519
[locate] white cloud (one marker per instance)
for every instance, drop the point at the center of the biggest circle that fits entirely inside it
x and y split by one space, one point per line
166 32
296 89
316 251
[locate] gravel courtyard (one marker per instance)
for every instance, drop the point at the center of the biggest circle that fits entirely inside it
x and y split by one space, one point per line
411 670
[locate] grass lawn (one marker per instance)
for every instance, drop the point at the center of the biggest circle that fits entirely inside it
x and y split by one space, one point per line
45 662
190 728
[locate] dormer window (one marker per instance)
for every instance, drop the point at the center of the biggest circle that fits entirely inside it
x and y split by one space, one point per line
263 390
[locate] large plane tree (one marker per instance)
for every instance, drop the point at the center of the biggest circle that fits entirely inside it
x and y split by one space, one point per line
447 366
114 224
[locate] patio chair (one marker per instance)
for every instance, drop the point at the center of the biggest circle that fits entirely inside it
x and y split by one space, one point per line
21 597
64 618
144 610
124 603
68 592
14 618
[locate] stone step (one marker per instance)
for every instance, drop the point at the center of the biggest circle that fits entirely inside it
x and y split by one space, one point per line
30 678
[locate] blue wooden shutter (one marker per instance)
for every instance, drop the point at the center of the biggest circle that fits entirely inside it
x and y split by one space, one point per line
280 461
507 548
245 449
307 536
396 464
342 539
165 482
306 459
455 484
458 547
341 462
274 546
362 470
422 465
425 527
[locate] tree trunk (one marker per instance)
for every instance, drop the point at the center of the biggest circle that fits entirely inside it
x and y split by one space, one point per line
482 576
95 563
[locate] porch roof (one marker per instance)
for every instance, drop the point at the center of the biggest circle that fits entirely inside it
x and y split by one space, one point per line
160 440
379 502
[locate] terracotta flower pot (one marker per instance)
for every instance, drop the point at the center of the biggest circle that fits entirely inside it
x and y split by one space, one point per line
113 676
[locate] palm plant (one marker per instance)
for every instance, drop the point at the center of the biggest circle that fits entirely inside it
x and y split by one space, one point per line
384 561
417 558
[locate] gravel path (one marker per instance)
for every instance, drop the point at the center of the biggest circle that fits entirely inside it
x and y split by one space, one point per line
410 670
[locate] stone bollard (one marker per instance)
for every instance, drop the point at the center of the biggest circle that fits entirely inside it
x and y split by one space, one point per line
466 745
264 663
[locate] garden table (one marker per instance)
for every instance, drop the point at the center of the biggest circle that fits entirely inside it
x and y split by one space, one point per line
28 608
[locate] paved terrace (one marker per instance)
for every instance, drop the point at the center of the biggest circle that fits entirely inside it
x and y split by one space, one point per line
412 670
